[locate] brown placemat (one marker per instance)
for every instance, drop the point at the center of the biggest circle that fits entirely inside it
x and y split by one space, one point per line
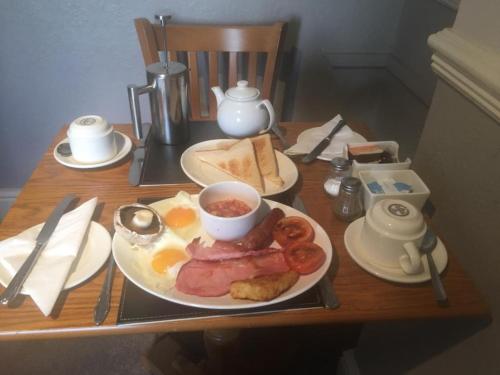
137 305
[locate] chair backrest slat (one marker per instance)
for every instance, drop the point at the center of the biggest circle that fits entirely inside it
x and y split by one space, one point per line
214 39
233 69
213 79
194 83
252 69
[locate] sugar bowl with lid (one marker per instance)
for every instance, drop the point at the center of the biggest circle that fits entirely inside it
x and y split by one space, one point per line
392 233
91 139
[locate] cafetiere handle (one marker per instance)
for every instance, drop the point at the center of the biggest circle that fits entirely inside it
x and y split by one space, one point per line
134 92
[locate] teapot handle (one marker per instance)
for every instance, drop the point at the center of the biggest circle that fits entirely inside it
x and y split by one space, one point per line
272 115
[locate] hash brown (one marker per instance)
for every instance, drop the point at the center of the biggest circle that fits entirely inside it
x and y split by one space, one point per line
264 288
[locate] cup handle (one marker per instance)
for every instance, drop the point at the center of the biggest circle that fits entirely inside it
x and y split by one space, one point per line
411 261
272 115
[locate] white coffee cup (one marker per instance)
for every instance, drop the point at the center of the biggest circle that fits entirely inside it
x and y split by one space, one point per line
91 139
391 235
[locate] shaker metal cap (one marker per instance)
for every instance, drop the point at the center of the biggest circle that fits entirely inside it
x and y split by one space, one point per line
340 164
350 184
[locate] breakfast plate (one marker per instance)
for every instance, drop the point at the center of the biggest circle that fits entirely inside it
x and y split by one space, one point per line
355 249
130 260
123 146
94 252
204 174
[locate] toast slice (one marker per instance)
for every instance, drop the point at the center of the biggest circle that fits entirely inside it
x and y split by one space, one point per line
266 159
238 161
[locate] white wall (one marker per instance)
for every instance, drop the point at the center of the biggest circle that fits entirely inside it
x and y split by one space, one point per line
458 157
62 59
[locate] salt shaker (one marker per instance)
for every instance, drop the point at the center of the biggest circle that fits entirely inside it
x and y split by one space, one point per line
348 206
339 168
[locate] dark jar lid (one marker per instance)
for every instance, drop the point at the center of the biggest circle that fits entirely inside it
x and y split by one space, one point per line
340 164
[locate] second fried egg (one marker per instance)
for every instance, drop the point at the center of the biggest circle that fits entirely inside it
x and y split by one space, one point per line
180 214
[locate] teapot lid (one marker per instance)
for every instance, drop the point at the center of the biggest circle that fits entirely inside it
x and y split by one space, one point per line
242 92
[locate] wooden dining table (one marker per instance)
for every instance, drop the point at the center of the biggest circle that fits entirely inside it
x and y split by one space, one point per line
363 297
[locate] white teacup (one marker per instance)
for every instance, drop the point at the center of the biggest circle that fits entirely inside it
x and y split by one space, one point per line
391 235
91 139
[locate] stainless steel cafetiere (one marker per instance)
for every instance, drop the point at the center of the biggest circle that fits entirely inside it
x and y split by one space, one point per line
168 99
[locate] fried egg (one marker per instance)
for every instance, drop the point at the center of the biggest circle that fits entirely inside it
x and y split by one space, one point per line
180 214
161 261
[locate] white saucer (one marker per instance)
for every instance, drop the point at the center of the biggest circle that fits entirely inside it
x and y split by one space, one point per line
95 251
123 146
355 250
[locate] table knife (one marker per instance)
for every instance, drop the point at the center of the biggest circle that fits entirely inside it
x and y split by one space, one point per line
135 171
17 282
323 144
328 295
103 302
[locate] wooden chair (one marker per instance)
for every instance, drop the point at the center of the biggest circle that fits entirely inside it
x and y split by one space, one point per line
243 44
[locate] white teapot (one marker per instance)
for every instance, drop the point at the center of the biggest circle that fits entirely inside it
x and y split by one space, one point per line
240 112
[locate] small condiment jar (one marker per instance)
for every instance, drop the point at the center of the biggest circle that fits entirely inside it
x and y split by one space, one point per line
339 168
348 206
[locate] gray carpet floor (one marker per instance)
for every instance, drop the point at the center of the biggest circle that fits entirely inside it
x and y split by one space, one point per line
84 356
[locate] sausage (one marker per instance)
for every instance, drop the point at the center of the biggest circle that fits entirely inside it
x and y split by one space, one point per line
261 236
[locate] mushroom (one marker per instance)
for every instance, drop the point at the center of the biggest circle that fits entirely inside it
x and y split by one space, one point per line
137 223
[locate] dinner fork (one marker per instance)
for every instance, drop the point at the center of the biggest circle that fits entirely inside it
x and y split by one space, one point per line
328 295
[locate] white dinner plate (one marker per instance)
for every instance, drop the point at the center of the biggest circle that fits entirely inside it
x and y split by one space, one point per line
95 250
327 154
123 146
127 260
356 251
204 174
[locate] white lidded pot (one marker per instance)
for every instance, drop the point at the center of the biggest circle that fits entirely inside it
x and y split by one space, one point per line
241 112
91 139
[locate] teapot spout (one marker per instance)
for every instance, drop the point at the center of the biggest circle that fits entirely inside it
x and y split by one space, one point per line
219 95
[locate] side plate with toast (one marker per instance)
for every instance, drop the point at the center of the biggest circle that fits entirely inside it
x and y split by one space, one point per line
205 174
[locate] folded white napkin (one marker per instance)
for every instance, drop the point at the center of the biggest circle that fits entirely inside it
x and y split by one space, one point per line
308 139
50 272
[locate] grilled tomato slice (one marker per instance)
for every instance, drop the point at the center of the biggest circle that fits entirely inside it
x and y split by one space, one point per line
304 257
292 229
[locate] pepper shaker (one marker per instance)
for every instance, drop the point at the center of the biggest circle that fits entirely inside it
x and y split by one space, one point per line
348 206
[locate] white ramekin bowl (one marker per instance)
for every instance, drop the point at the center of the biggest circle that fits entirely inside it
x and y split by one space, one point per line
229 228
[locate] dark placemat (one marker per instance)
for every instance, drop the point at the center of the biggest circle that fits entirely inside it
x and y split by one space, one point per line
162 162
136 305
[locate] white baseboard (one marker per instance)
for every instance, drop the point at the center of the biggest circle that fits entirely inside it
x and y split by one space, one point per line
422 87
338 59
7 197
